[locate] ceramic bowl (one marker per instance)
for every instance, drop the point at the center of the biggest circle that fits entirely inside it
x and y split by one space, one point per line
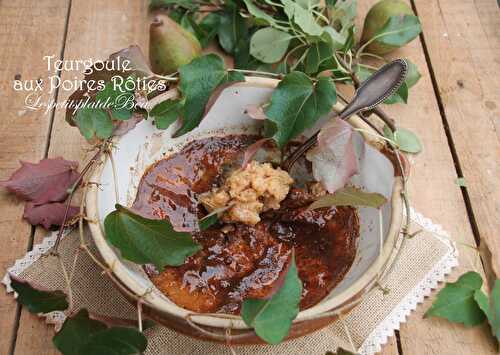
145 145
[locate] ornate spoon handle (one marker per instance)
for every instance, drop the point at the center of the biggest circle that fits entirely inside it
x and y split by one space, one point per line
373 91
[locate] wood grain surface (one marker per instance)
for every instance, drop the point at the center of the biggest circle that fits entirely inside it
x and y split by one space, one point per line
24 133
463 45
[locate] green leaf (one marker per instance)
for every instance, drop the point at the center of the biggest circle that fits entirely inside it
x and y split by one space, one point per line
209 27
388 133
272 318
407 141
37 300
343 14
207 221
198 79
490 307
305 20
456 303
296 104
404 139
363 73
495 319
94 122
399 30
400 96
333 37
166 113
413 75
317 54
81 335
144 241
188 23
212 218
117 98
350 196
232 27
269 45
259 14
121 114
483 302
289 8
350 40
461 182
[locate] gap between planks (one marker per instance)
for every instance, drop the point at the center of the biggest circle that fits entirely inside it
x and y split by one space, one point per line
449 138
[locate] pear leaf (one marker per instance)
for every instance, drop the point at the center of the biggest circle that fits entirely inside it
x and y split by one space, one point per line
269 45
166 113
198 79
350 196
297 104
36 299
212 218
82 335
404 139
399 30
94 122
272 318
407 141
304 18
490 307
260 14
335 158
456 303
117 99
144 241
232 28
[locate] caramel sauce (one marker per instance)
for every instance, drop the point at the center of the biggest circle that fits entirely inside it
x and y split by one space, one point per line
239 261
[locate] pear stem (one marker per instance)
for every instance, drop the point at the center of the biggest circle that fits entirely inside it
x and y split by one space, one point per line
263 73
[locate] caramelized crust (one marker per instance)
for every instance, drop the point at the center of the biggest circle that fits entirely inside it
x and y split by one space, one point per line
238 260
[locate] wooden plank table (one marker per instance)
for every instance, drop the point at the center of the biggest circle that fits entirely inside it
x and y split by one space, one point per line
454 109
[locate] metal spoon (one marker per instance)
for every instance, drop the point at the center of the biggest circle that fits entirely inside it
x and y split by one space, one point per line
373 91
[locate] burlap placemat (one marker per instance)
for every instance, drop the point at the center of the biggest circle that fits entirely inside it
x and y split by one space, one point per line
424 261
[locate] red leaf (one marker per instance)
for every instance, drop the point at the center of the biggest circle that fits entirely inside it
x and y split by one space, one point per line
47 181
256 112
50 214
334 159
252 150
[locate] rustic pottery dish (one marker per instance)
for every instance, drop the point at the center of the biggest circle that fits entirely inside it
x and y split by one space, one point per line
144 145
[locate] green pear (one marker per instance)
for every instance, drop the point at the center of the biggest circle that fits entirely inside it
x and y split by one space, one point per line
376 19
170 45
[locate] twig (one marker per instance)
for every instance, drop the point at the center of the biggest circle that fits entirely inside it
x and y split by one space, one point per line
68 282
139 314
348 333
255 72
115 179
72 192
